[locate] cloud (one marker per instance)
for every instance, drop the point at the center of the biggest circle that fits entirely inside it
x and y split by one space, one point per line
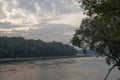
15 29
53 32
32 12
16 15
40 19
68 33
72 19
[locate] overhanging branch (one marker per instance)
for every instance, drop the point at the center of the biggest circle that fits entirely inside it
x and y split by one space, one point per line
109 72
111 57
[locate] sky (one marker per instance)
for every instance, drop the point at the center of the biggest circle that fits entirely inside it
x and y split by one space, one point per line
48 20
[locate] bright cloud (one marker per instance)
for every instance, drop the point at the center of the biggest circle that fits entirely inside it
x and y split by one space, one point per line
44 19
72 19
16 15
10 30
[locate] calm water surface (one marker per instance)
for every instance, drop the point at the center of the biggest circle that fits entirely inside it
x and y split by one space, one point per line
89 68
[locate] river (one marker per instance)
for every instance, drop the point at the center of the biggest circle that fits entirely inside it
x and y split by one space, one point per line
84 68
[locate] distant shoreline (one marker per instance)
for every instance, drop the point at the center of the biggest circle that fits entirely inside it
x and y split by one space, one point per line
40 58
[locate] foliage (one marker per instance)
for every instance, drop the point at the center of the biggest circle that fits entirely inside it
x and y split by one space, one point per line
101 8
18 47
100 30
95 35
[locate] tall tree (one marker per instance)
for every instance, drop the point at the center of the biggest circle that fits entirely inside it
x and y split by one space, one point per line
100 31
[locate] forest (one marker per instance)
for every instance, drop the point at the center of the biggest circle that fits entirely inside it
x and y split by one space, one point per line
18 47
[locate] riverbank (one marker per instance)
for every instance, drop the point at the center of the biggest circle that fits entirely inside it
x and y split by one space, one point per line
40 58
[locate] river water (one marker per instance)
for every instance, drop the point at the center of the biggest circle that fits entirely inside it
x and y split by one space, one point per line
87 68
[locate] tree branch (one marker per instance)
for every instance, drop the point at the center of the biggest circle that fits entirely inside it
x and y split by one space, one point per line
111 57
109 72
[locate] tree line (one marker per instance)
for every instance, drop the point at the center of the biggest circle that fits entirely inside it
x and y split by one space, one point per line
18 47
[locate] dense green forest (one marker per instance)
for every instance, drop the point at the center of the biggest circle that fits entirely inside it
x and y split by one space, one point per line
18 47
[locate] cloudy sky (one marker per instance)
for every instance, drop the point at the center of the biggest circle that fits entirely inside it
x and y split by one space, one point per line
47 20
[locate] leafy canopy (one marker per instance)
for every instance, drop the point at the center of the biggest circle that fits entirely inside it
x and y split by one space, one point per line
102 8
100 30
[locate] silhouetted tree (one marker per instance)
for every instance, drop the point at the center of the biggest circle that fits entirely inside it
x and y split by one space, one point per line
100 31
